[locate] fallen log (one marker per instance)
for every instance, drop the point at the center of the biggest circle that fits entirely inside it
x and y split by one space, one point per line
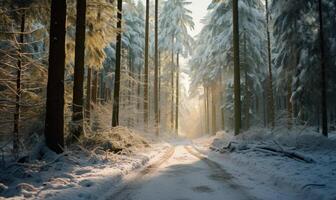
289 154
232 146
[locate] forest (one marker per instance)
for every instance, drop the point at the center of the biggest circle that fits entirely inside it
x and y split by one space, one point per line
137 99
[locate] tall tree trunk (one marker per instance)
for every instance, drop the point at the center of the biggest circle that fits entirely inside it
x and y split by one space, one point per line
323 74
177 93
247 93
207 109
95 86
88 96
289 102
237 103
78 87
156 73
130 90
16 137
116 95
146 97
247 102
139 95
102 87
54 122
271 112
159 88
172 86
213 109
222 99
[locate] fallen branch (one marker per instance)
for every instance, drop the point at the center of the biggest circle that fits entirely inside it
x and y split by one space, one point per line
289 154
280 151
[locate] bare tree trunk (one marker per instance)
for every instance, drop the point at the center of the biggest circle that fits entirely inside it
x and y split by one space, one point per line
146 96
102 87
116 95
323 74
177 93
78 87
213 109
88 96
156 73
54 122
270 76
207 109
16 137
159 88
247 94
172 87
95 87
289 103
130 91
139 94
237 103
222 99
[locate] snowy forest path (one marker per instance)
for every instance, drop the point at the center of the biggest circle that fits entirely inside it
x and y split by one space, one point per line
182 174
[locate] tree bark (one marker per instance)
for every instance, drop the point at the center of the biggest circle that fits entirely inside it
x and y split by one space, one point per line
207 109
102 87
213 110
139 95
222 99
95 87
323 74
78 87
237 103
116 95
159 89
289 103
156 71
54 122
177 93
16 137
88 96
146 98
247 93
172 86
271 112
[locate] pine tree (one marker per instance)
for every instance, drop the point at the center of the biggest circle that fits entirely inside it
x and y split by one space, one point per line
175 20
237 103
156 75
146 99
323 73
115 115
54 123
270 75
78 87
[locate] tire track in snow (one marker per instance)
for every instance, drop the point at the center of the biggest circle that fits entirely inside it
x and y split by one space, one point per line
220 174
127 186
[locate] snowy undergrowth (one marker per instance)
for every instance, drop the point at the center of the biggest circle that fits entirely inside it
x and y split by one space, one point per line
315 180
84 171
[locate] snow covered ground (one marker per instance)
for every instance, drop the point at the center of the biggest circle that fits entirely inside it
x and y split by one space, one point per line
205 168
77 174
271 175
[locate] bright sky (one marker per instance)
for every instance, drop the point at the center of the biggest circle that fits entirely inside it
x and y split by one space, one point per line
199 10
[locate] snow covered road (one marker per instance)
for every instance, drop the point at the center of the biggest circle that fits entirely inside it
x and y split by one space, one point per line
183 175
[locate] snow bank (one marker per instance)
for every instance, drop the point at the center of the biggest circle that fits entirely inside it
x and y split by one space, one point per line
83 171
309 180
